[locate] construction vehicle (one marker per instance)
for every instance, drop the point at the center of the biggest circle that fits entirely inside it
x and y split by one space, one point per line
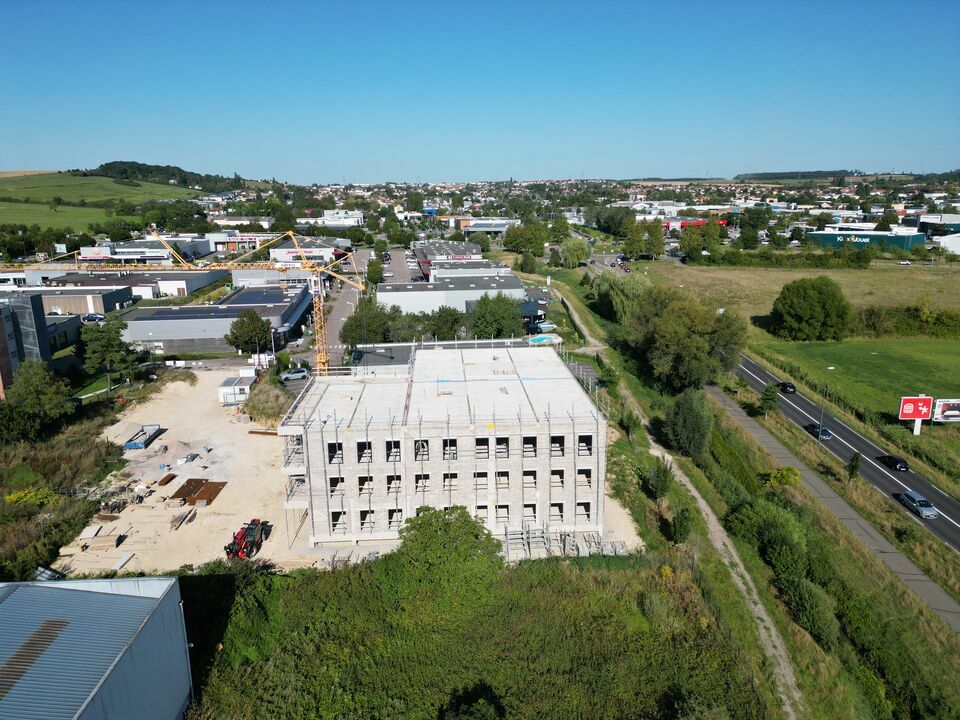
246 541
316 269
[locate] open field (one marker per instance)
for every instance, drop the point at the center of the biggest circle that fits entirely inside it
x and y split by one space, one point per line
19 173
72 188
751 291
77 218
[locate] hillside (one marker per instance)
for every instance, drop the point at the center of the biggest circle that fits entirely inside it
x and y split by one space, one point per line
164 174
73 189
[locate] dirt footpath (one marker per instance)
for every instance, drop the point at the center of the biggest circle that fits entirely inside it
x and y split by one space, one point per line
226 451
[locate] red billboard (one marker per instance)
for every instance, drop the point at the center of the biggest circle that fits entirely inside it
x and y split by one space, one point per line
916 408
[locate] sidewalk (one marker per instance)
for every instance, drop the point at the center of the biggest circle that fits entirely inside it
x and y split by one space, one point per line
928 591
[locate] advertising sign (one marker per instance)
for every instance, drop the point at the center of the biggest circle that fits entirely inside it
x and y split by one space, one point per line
916 408
946 411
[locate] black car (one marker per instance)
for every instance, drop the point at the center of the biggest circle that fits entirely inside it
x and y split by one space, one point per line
821 432
894 462
787 388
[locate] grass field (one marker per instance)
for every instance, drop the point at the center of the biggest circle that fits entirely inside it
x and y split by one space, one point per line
752 291
72 188
66 216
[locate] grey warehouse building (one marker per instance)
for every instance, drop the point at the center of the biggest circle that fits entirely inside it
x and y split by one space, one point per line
454 292
93 650
200 328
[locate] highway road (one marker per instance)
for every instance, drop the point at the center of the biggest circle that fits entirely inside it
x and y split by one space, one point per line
804 411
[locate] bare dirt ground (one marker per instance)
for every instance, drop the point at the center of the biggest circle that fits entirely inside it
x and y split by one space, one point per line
227 452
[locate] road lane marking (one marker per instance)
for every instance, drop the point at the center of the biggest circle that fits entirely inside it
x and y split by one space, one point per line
868 459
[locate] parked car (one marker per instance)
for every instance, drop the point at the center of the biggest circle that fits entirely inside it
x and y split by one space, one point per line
915 502
388 274
295 374
613 264
903 262
787 388
895 462
818 430
92 318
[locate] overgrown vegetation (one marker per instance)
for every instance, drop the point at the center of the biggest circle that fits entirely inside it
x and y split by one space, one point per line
413 634
267 403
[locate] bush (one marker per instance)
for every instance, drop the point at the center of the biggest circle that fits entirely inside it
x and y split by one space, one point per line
689 422
812 609
681 525
657 481
267 403
811 309
787 560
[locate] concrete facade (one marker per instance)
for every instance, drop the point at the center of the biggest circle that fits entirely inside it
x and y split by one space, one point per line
506 432
76 301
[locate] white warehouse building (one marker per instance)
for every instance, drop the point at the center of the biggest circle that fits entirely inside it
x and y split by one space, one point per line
506 432
453 292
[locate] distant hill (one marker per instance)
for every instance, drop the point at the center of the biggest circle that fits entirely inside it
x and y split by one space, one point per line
163 174
794 175
73 189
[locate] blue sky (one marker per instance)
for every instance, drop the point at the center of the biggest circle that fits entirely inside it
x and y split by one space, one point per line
371 91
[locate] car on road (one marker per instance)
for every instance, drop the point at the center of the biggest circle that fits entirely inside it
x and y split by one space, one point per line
915 502
895 462
903 262
295 374
822 432
787 388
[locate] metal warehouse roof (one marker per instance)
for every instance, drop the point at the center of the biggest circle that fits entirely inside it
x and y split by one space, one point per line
57 644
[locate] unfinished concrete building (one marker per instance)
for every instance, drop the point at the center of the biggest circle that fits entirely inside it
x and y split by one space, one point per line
506 432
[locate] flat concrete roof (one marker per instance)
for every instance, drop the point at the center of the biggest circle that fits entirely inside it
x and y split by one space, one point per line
461 385
453 264
493 282
47 290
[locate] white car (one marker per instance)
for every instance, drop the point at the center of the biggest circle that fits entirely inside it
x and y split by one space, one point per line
295 374
388 274
903 262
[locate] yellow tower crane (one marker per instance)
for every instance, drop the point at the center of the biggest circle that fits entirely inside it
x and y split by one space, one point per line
315 282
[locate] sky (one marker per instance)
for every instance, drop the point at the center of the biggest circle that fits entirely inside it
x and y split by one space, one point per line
421 91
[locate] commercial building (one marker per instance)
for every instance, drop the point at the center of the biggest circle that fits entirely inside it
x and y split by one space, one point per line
230 242
62 331
146 250
144 285
902 238
334 219
20 278
949 243
454 292
201 328
444 269
93 650
506 432
929 222
490 225
75 300
231 221
314 249
427 252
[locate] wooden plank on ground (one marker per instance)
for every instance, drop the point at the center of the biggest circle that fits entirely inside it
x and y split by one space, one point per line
165 480
189 488
261 432
207 494
90 531
124 559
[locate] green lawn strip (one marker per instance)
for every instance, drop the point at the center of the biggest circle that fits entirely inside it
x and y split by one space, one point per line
65 216
73 188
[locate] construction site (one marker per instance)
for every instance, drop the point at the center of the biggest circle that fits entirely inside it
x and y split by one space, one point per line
506 432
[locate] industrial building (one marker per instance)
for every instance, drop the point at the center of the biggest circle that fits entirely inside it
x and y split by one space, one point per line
230 242
146 250
453 292
232 221
93 650
144 285
318 249
334 219
900 237
445 269
428 252
506 432
200 328
75 300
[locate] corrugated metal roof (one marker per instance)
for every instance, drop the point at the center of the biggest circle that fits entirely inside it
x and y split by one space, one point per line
56 645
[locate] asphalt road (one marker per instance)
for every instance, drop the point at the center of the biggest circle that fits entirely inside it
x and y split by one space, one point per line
804 411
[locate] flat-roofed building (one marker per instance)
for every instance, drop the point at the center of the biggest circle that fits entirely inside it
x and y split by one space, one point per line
76 300
443 269
506 432
144 285
454 292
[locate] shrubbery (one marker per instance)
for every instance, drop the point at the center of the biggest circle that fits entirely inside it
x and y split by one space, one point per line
812 608
811 309
689 422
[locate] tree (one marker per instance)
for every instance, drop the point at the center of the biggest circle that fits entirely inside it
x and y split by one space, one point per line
658 481
481 239
888 219
777 240
633 239
532 237
379 247
250 333
811 309
823 219
414 201
369 323
769 399
797 235
853 467
689 423
559 228
574 251
38 394
456 236
528 263
374 272
497 317
749 239
104 347
681 525
653 242
446 323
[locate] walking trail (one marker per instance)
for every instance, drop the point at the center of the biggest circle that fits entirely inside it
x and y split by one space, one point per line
790 698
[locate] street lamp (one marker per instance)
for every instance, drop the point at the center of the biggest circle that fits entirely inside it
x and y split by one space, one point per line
823 399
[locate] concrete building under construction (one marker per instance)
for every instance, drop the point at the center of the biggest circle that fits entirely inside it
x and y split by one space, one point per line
506 432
